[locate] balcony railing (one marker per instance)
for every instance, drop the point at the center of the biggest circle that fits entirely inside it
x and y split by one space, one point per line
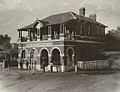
66 36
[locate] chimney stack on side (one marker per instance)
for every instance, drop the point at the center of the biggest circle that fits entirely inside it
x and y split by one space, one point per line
82 11
93 16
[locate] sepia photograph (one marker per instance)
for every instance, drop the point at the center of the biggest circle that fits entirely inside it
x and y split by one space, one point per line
59 46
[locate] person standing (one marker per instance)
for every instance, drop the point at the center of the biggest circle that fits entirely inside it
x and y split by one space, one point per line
43 65
27 64
51 66
21 65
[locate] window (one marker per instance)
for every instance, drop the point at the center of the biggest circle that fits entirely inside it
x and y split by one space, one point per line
45 37
102 30
81 29
89 31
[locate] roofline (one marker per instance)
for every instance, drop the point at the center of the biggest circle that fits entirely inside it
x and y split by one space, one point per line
96 22
59 23
73 15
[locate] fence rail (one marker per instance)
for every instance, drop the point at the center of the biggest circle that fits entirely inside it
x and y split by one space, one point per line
96 64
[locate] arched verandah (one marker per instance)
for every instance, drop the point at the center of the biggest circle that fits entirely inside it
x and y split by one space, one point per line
44 57
70 56
55 57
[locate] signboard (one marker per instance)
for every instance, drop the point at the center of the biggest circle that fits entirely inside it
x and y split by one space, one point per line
38 44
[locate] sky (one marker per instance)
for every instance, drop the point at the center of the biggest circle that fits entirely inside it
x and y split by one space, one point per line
16 14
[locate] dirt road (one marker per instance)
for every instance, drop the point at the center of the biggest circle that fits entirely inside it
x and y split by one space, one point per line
22 81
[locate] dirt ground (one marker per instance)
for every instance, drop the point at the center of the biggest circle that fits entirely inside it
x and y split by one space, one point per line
22 81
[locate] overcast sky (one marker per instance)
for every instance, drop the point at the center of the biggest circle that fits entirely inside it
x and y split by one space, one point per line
15 14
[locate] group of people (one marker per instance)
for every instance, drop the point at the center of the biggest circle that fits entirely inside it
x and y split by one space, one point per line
31 66
28 65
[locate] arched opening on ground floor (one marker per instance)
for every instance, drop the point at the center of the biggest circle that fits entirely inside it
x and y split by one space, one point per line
55 59
44 58
70 56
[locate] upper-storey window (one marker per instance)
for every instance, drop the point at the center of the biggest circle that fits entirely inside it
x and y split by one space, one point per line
102 30
86 30
45 37
89 31
98 31
80 29
56 35
44 33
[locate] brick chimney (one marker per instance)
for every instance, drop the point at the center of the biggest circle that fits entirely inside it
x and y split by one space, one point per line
93 16
82 11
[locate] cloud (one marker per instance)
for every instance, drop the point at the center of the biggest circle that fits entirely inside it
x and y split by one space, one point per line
8 22
18 13
14 4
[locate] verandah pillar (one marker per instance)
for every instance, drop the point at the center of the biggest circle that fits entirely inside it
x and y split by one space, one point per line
49 62
62 31
38 34
49 32
62 60
29 34
20 35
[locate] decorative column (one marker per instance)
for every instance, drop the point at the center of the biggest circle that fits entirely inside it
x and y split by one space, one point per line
73 60
19 59
38 34
20 36
49 65
29 34
19 39
49 32
65 29
62 31
72 35
62 62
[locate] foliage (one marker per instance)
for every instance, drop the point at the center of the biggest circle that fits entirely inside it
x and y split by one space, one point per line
7 48
113 39
14 50
5 41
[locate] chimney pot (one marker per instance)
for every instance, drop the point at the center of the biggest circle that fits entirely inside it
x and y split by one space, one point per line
82 11
93 16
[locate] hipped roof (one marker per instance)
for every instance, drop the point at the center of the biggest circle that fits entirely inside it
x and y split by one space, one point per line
59 19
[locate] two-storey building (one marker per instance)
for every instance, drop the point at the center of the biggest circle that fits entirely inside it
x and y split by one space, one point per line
61 39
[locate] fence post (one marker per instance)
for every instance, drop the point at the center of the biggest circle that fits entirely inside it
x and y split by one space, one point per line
76 72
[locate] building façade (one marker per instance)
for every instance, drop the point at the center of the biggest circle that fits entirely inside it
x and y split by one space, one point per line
61 40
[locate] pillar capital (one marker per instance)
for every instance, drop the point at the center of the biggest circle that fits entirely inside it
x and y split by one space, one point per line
38 38
49 55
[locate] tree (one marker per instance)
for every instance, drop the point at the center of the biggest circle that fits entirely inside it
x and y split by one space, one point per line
14 51
113 39
5 41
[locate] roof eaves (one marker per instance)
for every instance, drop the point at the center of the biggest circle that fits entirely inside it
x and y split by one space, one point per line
90 20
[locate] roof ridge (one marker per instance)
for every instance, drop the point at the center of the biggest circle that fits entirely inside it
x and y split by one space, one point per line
57 14
71 12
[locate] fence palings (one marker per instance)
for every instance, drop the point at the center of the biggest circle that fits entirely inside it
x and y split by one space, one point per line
93 65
